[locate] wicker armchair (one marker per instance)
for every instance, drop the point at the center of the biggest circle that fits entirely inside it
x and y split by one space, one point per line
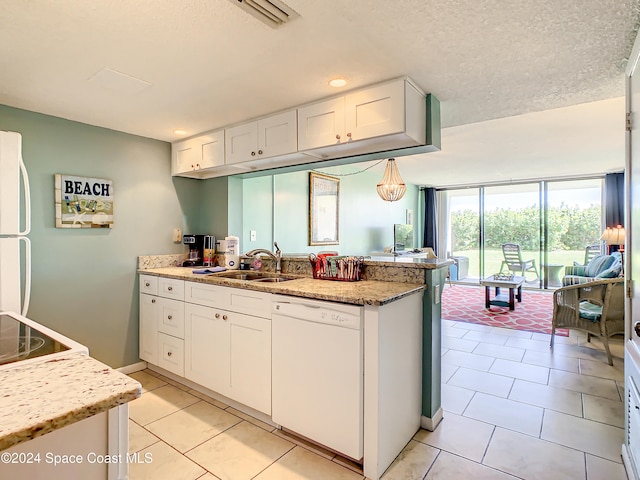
596 307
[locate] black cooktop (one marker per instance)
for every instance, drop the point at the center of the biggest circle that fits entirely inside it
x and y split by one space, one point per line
19 341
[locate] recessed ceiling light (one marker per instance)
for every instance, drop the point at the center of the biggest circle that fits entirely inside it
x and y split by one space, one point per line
338 82
180 132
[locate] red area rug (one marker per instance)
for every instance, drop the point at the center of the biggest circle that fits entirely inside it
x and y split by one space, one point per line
533 314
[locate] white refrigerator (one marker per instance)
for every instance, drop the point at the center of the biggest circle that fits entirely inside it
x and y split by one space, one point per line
15 224
15 248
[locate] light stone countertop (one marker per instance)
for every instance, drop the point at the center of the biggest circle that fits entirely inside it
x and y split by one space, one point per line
364 292
39 397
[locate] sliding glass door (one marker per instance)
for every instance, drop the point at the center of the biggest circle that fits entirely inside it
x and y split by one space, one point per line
573 218
464 233
552 222
512 216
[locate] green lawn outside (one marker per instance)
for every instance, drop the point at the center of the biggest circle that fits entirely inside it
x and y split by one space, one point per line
494 257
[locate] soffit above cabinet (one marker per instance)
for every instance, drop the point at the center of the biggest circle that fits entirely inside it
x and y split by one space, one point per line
393 118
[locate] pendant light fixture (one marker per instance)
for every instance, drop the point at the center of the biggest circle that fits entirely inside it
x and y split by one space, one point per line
391 187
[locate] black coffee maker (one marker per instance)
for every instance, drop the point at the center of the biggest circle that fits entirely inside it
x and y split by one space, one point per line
201 248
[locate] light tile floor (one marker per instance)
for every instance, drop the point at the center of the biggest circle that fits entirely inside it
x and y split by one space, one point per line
512 409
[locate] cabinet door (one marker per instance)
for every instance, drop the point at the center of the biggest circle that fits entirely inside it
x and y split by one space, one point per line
149 313
171 317
250 361
206 345
277 135
184 156
212 149
171 354
241 143
375 111
321 124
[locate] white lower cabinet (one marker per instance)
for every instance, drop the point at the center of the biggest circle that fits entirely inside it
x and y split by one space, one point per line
162 322
171 353
230 353
207 352
218 337
250 361
149 308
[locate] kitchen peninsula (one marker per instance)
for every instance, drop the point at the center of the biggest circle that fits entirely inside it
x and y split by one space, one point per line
400 339
65 413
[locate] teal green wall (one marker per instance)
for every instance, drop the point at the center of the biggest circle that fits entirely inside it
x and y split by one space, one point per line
220 207
277 207
84 281
257 213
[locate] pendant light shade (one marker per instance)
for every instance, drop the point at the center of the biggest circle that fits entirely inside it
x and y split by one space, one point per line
391 187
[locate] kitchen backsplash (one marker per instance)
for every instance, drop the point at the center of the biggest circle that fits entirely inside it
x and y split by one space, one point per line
379 270
159 261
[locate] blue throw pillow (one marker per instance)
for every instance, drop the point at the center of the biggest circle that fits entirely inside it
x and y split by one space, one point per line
598 264
612 272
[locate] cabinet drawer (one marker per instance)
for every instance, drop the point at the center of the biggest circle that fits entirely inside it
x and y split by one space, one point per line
171 354
171 319
250 302
171 288
207 295
238 300
149 284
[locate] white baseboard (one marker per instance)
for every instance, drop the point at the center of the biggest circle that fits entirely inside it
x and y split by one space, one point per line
626 462
263 417
135 367
431 423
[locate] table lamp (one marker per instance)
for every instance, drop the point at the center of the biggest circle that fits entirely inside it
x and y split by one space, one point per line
614 236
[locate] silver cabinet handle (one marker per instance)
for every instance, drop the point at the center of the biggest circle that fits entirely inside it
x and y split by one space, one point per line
147 284
170 288
169 317
224 317
259 152
349 134
168 354
153 300
217 315
253 154
337 137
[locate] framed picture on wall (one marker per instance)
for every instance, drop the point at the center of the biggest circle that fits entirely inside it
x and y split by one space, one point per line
324 203
83 202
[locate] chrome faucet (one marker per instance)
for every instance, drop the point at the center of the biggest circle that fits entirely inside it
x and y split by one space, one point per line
277 256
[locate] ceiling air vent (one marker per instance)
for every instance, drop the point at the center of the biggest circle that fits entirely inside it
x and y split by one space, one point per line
272 12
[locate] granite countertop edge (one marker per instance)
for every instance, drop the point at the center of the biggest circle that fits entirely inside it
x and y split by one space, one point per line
39 397
363 292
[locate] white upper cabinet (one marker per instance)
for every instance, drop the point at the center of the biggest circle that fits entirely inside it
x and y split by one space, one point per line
264 138
183 156
390 115
388 118
194 157
241 143
321 124
212 149
375 111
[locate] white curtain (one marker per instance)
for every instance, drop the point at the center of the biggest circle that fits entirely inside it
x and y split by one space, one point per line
442 198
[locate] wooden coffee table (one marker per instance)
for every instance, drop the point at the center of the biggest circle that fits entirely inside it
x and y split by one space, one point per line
501 299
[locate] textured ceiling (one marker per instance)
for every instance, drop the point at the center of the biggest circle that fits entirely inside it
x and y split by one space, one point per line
203 64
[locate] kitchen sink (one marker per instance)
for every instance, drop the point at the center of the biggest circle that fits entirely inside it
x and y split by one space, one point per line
254 276
274 279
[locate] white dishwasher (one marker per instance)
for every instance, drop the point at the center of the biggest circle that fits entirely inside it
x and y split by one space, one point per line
317 372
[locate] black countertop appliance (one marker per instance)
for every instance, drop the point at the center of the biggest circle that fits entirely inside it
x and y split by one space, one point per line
201 249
